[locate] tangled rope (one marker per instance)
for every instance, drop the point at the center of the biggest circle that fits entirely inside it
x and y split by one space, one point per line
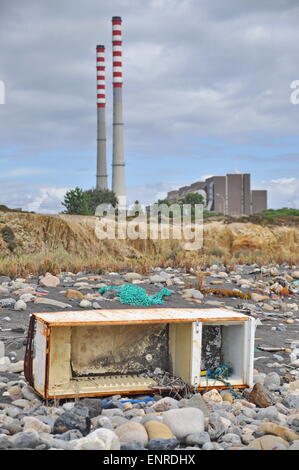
222 373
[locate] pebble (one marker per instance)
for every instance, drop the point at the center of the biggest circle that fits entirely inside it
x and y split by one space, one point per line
156 430
268 443
184 421
71 420
100 439
49 281
132 431
162 444
20 305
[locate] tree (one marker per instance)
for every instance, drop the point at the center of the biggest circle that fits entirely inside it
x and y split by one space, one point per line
100 196
76 202
193 198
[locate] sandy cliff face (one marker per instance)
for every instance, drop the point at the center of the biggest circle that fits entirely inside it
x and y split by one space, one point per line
25 233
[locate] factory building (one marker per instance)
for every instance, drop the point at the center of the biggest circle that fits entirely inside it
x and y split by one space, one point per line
230 194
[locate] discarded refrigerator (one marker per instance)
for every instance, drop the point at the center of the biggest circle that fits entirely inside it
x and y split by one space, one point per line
105 352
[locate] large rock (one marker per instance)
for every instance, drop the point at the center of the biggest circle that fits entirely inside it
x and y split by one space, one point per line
196 401
74 294
94 406
132 431
52 302
215 427
129 277
197 439
270 413
29 393
49 281
33 424
156 430
291 401
268 443
213 396
258 297
71 420
7 303
193 294
281 431
165 404
184 421
260 396
272 379
20 305
28 440
100 439
5 442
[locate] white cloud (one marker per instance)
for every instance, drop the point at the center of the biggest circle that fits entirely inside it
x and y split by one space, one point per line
282 192
32 197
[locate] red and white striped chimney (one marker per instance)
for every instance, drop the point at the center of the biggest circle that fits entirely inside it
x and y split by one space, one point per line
102 177
117 51
118 163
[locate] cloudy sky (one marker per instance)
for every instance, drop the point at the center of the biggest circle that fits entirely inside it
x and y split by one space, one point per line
206 92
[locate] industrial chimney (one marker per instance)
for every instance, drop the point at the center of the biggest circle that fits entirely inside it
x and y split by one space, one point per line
118 163
102 177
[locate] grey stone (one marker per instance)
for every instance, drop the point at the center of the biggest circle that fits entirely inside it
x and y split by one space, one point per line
198 438
20 305
230 438
271 379
215 427
184 421
70 435
129 277
270 413
134 445
162 444
94 406
29 393
70 420
13 428
101 422
294 446
13 411
2 349
7 303
117 420
291 401
208 446
5 442
27 439
196 401
112 412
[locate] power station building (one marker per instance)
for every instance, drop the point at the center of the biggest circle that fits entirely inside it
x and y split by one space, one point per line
230 194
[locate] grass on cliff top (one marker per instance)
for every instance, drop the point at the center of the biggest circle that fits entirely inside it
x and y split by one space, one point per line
60 260
284 212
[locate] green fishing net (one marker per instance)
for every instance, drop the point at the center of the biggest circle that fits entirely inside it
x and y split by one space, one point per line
136 295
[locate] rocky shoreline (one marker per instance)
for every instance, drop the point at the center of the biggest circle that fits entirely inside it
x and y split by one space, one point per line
265 417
